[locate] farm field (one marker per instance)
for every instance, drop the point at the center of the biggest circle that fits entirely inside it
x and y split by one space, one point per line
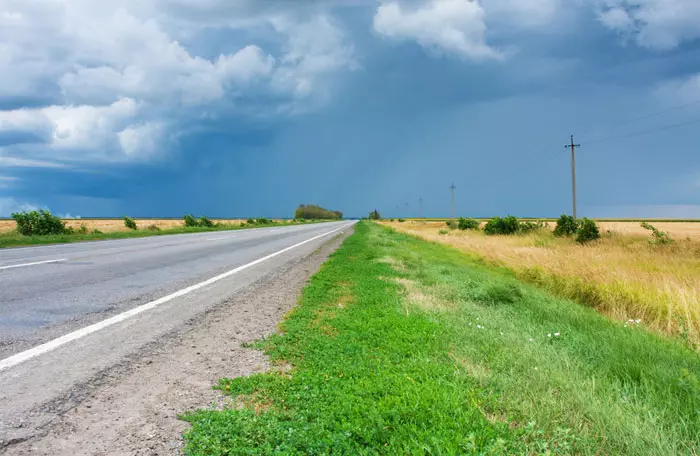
402 346
117 225
105 229
621 275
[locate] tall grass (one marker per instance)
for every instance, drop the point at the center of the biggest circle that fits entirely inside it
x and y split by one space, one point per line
622 276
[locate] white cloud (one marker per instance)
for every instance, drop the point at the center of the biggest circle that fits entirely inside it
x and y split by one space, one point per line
118 75
453 26
65 130
315 47
654 24
143 140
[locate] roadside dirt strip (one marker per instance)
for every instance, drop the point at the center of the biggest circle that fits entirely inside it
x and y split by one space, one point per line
133 408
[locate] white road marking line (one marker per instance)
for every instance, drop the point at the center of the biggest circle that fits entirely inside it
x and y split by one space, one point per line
32 264
75 335
219 238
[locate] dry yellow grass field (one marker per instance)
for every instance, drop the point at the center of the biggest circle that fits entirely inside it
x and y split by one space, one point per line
112 225
621 275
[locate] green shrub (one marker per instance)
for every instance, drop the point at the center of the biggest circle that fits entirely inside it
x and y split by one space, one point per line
657 237
587 231
401 220
130 223
529 226
507 225
250 221
374 215
451 224
153 228
96 231
190 221
444 231
566 226
83 229
467 224
38 223
263 221
205 222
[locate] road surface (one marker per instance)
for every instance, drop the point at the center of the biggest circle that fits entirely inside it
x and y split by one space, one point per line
69 312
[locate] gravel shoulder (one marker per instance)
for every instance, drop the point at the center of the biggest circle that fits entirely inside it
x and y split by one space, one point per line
133 408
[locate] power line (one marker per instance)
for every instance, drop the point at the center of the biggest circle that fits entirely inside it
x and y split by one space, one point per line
652 114
643 132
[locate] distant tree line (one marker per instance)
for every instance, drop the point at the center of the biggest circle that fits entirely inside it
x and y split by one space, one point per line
312 212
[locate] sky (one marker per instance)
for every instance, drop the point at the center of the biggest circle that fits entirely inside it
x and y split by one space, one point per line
248 108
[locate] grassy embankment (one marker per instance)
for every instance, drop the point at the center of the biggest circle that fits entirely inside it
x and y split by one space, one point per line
399 346
622 275
14 239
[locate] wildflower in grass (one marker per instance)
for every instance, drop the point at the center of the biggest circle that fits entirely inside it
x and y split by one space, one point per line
556 334
549 335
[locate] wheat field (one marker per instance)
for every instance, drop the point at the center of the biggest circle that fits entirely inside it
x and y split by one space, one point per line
622 275
113 225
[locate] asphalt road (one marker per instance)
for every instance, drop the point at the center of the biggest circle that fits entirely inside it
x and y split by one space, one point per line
68 312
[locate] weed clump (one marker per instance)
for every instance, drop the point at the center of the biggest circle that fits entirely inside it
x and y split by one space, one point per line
500 293
529 226
465 224
451 224
130 223
505 226
190 221
566 226
587 231
204 222
657 237
38 223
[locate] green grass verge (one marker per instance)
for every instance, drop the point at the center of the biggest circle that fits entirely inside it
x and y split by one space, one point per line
400 346
14 239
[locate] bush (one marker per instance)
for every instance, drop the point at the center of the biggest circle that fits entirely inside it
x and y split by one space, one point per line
528 226
38 223
130 223
507 225
205 222
444 231
190 221
566 226
313 212
451 224
401 220
263 221
374 215
96 231
153 228
83 229
250 221
587 231
467 224
657 237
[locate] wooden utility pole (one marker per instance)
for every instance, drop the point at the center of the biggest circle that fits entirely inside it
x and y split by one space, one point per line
573 171
452 187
